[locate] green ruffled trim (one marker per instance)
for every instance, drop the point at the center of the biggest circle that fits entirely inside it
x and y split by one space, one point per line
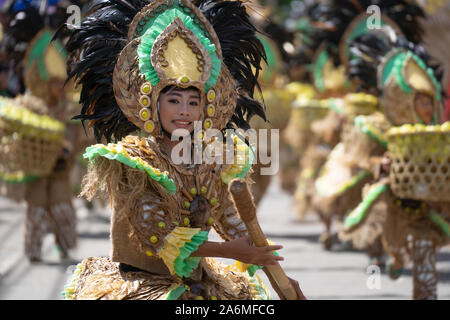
155 26
241 174
247 167
372 132
101 150
69 288
252 269
263 293
357 215
184 264
174 294
440 222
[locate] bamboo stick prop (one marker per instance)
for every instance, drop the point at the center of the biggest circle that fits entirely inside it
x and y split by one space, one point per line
247 210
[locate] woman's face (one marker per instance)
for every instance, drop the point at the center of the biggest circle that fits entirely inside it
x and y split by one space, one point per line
179 108
423 105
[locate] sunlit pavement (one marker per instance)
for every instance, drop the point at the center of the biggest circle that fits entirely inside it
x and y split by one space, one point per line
321 274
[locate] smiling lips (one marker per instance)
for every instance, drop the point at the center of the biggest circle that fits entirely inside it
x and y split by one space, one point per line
182 123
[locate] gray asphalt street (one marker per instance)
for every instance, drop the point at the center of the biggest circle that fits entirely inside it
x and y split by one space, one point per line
321 274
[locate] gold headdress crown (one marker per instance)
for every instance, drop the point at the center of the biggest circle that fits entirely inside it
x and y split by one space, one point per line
170 42
401 76
44 60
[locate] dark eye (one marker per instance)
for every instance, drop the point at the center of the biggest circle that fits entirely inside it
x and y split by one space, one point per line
173 100
194 103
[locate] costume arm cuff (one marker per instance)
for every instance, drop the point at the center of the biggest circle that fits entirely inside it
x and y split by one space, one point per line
177 248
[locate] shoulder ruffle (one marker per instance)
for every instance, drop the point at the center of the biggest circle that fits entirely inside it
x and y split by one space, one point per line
243 160
118 152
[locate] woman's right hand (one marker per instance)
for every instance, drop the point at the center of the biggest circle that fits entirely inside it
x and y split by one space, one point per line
243 250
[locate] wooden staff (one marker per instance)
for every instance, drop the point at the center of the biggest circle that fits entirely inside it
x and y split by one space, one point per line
247 210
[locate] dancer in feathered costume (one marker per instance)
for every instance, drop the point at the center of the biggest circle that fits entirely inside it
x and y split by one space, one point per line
407 206
36 145
308 132
161 67
340 180
278 92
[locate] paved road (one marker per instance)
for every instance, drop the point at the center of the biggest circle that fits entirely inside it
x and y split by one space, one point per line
322 274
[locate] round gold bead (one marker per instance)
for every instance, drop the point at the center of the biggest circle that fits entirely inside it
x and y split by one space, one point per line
210 110
153 239
208 124
186 221
144 101
187 204
161 224
148 253
149 126
203 190
144 114
193 191
210 221
213 201
184 79
211 95
146 88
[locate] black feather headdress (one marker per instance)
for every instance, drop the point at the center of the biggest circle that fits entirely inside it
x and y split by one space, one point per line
370 52
95 46
331 18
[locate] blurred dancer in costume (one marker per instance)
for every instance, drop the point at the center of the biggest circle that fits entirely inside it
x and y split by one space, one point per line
407 205
341 179
46 104
277 93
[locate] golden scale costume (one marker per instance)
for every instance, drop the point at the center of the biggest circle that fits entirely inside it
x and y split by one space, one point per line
407 207
35 146
162 212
